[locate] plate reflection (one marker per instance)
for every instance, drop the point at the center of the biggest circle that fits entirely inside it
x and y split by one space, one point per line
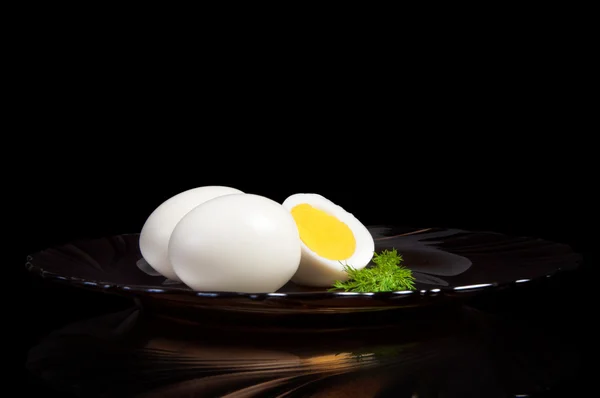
461 352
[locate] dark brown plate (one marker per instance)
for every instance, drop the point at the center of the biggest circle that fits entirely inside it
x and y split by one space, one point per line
447 263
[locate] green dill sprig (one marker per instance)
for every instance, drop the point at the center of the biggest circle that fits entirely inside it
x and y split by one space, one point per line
387 275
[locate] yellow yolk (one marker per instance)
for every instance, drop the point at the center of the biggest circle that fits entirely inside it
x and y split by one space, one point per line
323 233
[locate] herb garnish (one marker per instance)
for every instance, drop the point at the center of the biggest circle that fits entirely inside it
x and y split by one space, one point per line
387 275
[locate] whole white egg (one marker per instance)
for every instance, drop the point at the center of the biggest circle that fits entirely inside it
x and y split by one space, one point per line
237 243
330 237
156 232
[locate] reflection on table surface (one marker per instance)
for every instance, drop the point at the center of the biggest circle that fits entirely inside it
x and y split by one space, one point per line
455 352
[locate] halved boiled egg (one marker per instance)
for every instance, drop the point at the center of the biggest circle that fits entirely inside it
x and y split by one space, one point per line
330 237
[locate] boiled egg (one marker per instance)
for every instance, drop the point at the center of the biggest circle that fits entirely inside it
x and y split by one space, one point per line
238 243
330 237
156 232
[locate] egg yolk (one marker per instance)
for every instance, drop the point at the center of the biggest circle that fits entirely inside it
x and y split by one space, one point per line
323 233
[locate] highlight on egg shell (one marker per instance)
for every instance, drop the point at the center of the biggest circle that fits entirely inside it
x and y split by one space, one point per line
330 237
156 232
236 243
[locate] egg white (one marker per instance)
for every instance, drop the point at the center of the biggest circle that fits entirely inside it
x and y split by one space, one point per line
318 271
156 231
237 243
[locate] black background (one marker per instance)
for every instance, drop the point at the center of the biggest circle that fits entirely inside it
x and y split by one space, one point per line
99 158
411 126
